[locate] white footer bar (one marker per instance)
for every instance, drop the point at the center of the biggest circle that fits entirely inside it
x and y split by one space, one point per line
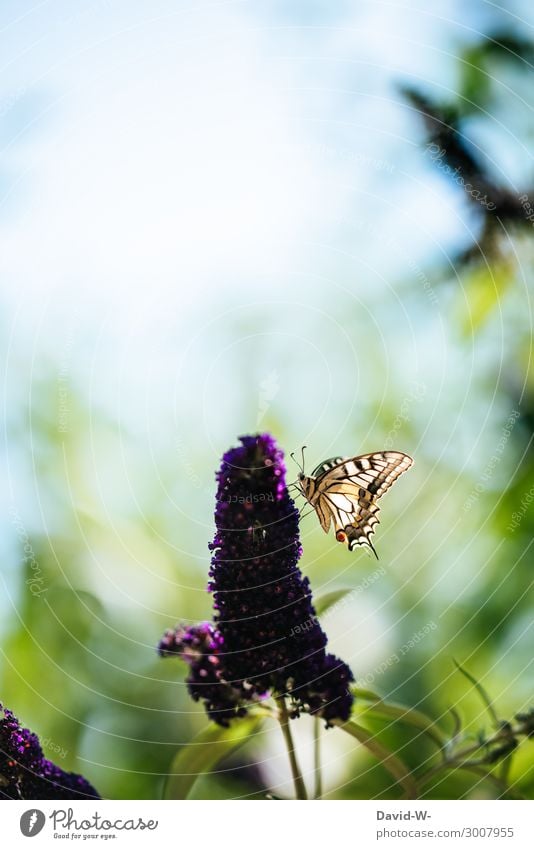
269 824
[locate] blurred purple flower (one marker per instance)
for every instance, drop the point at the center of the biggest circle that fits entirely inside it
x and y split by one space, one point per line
26 774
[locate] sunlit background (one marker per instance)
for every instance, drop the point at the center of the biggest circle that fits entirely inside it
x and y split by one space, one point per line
218 218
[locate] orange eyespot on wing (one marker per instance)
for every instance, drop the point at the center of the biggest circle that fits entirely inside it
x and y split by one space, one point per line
341 536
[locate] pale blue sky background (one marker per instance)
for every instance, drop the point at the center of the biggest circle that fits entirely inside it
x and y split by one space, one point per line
197 199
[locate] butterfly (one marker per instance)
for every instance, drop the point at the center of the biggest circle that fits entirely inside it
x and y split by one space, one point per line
344 492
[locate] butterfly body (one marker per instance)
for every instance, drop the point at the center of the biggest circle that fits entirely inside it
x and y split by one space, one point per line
344 492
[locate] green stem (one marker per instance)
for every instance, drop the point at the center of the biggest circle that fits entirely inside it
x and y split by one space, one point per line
480 690
298 781
506 764
317 757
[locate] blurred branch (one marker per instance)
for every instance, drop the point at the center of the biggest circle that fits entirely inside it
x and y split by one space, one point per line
444 129
499 747
450 149
456 753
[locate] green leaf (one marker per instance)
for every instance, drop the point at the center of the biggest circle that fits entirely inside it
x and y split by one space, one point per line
389 761
409 716
364 693
329 599
475 81
481 692
440 771
204 752
481 295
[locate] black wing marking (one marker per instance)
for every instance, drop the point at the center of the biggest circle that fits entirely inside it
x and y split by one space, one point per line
326 466
347 490
375 472
355 516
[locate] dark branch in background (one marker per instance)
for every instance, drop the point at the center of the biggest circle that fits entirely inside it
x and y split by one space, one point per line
501 207
495 205
447 131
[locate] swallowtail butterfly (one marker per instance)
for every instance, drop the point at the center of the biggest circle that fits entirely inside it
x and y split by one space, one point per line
344 492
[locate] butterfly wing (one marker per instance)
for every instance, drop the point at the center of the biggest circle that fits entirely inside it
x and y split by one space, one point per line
327 465
354 514
346 494
375 472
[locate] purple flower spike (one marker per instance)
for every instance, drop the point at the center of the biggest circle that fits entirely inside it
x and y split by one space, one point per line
268 638
26 774
200 646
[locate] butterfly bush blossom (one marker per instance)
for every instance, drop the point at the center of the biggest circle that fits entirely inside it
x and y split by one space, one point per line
26 774
265 638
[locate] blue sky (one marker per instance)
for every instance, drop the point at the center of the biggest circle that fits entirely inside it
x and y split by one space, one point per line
195 139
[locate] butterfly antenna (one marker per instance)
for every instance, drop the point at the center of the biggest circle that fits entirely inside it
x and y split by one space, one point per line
292 455
302 453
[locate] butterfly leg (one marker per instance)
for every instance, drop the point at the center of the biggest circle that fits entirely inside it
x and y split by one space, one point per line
302 514
371 546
